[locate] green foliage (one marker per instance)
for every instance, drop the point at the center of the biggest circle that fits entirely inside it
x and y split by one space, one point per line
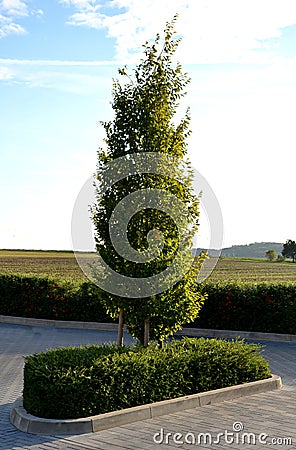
144 106
265 307
167 312
289 249
46 298
232 305
271 255
280 258
79 382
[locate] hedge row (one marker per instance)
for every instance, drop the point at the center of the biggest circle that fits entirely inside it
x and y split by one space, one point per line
265 307
78 382
46 298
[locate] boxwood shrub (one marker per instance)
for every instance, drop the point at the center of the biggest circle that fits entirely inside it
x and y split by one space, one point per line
79 382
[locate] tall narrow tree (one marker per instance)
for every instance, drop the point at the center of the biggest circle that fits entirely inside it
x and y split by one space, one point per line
144 107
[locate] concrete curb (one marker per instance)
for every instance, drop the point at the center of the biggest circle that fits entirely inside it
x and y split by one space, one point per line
256 335
35 425
29 321
253 335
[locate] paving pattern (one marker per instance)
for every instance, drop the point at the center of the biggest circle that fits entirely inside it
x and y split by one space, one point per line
256 422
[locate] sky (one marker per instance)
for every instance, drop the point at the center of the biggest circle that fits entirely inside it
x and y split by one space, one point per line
57 62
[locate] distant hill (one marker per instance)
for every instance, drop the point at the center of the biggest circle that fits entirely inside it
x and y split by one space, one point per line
255 250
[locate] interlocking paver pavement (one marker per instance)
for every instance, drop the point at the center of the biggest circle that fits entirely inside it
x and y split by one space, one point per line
272 413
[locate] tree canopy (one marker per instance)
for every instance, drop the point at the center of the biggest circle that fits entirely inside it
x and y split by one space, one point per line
289 249
146 216
270 255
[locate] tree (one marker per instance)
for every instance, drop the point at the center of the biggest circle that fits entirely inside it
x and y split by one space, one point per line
270 255
280 258
142 129
289 249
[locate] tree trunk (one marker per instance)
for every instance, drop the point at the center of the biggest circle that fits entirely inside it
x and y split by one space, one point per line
146 331
120 328
160 343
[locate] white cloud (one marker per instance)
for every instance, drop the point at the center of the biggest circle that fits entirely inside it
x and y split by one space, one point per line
37 12
60 77
82 4
90 19
78 77
15 8
87 13
11 11
52 62
5 73
213 31
7 26
66 82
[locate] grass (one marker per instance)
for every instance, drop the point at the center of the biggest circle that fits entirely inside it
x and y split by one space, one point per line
63 265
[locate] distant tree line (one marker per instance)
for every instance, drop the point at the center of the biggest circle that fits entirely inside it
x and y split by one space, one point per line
273 251
254 250
288 251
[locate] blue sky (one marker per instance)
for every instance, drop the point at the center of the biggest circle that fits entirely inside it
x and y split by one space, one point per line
57 61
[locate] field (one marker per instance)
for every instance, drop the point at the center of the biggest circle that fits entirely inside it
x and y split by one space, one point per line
64 265
55 264
253 270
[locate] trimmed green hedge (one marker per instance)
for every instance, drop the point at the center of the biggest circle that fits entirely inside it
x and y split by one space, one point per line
80 382
265 307
47 298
